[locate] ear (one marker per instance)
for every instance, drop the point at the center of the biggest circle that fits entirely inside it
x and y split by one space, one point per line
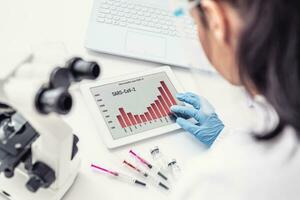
216 19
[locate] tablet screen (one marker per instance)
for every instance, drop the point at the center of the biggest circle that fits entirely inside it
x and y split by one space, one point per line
136 105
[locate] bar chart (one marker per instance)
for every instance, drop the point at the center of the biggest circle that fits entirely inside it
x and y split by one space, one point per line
137 105
157 109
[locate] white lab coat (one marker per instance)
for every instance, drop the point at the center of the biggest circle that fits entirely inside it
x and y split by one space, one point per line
237 167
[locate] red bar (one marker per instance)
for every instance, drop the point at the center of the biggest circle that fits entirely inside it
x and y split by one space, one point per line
155 110
143 118
167 110
123 125
125 116
168 92
163 94
148 116
137 118
151 113
131 118
160 108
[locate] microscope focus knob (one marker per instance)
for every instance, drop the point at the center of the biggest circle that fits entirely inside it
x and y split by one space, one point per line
81 69
34 184
41 176
8 173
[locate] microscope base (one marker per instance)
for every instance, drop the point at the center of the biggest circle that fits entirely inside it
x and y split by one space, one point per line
14 188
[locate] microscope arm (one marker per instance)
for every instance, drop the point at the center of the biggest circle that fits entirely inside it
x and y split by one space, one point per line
39 95
55 143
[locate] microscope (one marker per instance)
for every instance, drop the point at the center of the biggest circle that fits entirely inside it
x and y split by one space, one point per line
38 150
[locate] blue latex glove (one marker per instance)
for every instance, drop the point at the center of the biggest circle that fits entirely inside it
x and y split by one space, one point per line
209 125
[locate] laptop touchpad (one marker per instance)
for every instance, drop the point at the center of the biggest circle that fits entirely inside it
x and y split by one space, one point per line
145 44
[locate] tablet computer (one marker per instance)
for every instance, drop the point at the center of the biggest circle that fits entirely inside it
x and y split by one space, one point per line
133 107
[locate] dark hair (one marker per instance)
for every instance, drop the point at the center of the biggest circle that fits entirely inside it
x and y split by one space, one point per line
269 55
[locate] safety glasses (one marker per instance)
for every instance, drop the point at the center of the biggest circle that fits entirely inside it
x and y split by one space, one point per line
182 8
193 4
186 28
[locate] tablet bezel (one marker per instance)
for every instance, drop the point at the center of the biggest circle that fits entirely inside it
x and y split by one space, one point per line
99 120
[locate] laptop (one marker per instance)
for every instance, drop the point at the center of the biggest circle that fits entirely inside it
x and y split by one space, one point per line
146 30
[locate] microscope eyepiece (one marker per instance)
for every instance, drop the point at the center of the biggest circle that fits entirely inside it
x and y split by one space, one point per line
56 100
81 69
60 77
54 97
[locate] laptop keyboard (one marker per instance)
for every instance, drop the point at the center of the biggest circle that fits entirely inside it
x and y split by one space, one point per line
124 13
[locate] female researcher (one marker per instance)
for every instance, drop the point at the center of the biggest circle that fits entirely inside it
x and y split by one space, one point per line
254 43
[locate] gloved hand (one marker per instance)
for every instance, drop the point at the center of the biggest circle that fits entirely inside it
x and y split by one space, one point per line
209 125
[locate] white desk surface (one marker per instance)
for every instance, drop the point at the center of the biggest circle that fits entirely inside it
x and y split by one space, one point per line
44 21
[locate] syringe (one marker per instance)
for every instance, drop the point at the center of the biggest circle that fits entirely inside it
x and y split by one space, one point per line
131 166
148 165
119 175
144 174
